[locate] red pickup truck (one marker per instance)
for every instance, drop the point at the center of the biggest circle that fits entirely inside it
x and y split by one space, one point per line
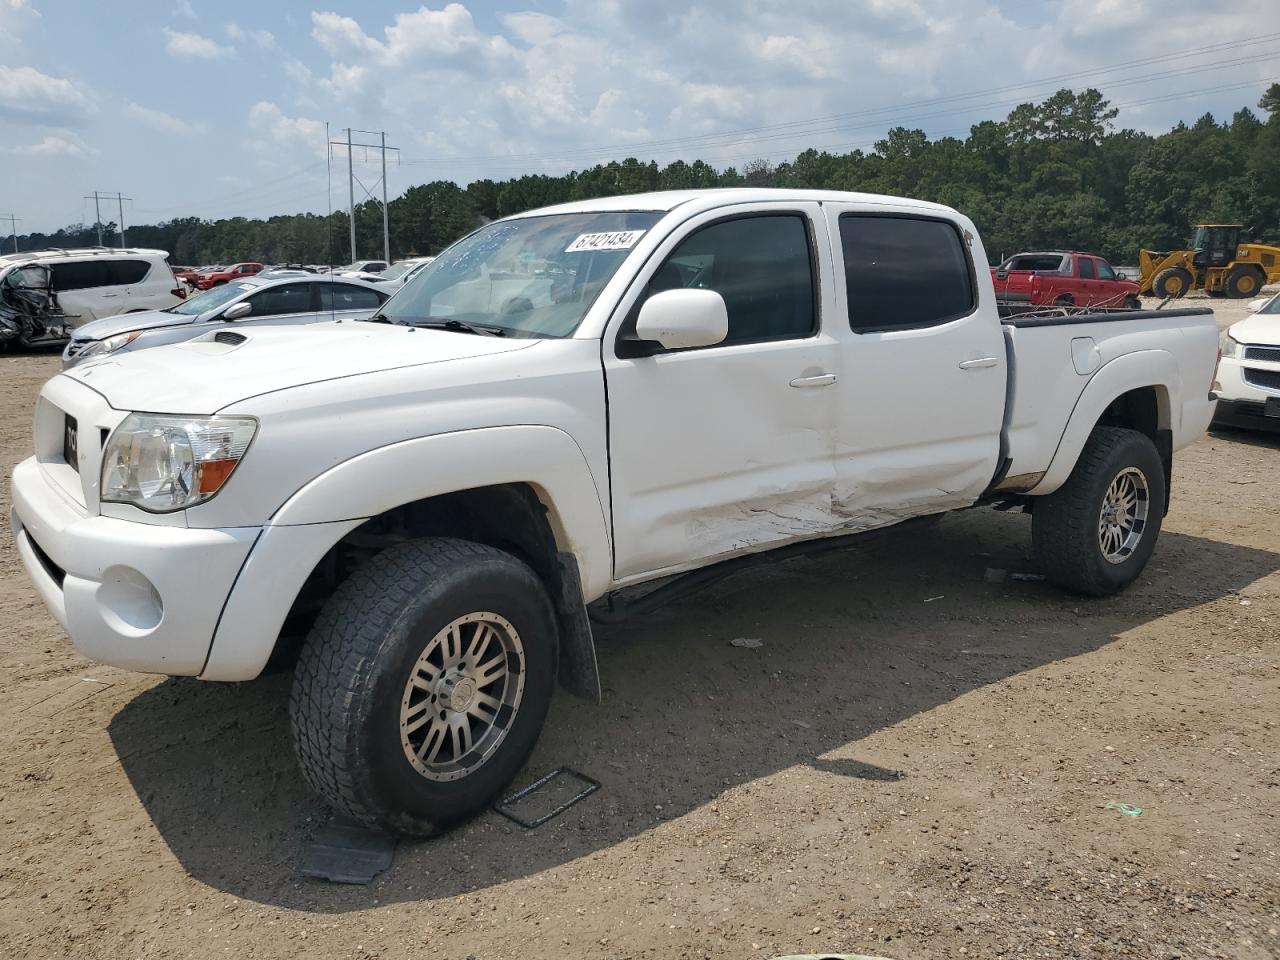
234 272
1062 279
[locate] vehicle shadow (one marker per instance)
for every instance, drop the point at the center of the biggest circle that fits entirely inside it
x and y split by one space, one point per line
854 641
1267 439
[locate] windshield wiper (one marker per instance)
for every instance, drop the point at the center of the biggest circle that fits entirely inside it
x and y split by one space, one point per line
461 326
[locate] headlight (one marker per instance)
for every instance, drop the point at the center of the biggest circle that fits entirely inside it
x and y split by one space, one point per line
1227 346
100 348
162 464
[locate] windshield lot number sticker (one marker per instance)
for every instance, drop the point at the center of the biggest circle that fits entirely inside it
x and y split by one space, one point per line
617 240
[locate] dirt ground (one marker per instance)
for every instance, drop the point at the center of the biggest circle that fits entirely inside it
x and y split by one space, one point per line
916 763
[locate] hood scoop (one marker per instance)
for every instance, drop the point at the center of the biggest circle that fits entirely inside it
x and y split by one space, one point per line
219 342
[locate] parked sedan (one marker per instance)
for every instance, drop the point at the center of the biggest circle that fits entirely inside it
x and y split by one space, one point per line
252 300
1248 381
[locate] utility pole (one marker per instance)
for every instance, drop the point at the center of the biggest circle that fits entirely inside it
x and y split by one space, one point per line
97 197
351 195
386 232
13 228
350 143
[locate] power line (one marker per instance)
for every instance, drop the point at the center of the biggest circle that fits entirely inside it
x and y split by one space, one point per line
97 197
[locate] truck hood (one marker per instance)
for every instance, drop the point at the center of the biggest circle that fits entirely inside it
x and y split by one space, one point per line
125 322
203 375
1261 328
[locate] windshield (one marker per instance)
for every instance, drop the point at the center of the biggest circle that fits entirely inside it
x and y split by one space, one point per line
535 276
211 299
396 271
1272 305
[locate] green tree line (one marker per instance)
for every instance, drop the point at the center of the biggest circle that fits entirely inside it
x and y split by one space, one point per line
1054 174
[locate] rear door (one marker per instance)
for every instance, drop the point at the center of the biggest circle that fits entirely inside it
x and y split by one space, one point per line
288 303
923 384
83 290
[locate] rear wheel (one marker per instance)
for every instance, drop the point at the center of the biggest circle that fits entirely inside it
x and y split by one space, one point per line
1243 282
1172 282
423 685
1095 533
1066 300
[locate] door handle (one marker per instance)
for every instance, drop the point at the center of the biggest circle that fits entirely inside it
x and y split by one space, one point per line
821 380
979 364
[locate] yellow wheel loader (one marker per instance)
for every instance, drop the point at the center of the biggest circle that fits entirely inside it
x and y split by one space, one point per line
1218 263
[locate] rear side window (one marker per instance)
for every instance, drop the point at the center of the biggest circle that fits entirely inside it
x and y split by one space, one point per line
290 298
345 296
126 272
904 272
80 275
763 268
1086 268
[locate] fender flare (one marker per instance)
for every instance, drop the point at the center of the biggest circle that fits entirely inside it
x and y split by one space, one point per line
337 501
1132 371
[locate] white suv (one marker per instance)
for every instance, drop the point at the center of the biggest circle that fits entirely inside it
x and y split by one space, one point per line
101 282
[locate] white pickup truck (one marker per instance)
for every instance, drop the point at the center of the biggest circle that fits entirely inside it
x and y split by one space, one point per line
567 403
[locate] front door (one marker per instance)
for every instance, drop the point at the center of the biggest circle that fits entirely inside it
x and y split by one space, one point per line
924 371
721 449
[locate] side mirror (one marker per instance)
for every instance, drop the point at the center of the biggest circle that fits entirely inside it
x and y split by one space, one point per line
679 319
238 311
1121 275
1256 305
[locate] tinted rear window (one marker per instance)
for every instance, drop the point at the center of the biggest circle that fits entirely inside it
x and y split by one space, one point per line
125 272
903 272
79 276
1043 263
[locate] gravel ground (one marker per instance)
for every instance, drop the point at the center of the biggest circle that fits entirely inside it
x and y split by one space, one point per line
917 762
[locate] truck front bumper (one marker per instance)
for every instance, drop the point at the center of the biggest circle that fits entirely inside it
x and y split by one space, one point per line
141 596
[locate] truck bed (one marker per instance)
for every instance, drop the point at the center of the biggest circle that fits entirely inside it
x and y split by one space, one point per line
1052 359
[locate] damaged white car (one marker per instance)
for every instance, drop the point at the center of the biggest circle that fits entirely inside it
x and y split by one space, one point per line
567 403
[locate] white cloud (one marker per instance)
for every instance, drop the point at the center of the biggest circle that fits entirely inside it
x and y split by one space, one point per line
179 44
263 39
27 94
275 132
57 143
163 122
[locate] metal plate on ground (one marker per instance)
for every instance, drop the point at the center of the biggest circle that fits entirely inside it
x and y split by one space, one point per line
344 852
547 798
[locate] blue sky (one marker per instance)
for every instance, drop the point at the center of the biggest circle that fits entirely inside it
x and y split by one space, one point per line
218 109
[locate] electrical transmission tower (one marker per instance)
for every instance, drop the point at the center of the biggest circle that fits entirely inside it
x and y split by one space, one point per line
13 227
97 211
352 180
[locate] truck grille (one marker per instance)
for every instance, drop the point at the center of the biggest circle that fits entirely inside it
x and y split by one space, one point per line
1266 354
1267 379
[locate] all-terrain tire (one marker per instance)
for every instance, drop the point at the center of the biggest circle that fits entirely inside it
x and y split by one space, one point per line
1132 303
1065 300
1172 282
1243 282
1066 524
354 672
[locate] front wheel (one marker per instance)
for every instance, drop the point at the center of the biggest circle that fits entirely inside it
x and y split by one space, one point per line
423 686
1095 533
